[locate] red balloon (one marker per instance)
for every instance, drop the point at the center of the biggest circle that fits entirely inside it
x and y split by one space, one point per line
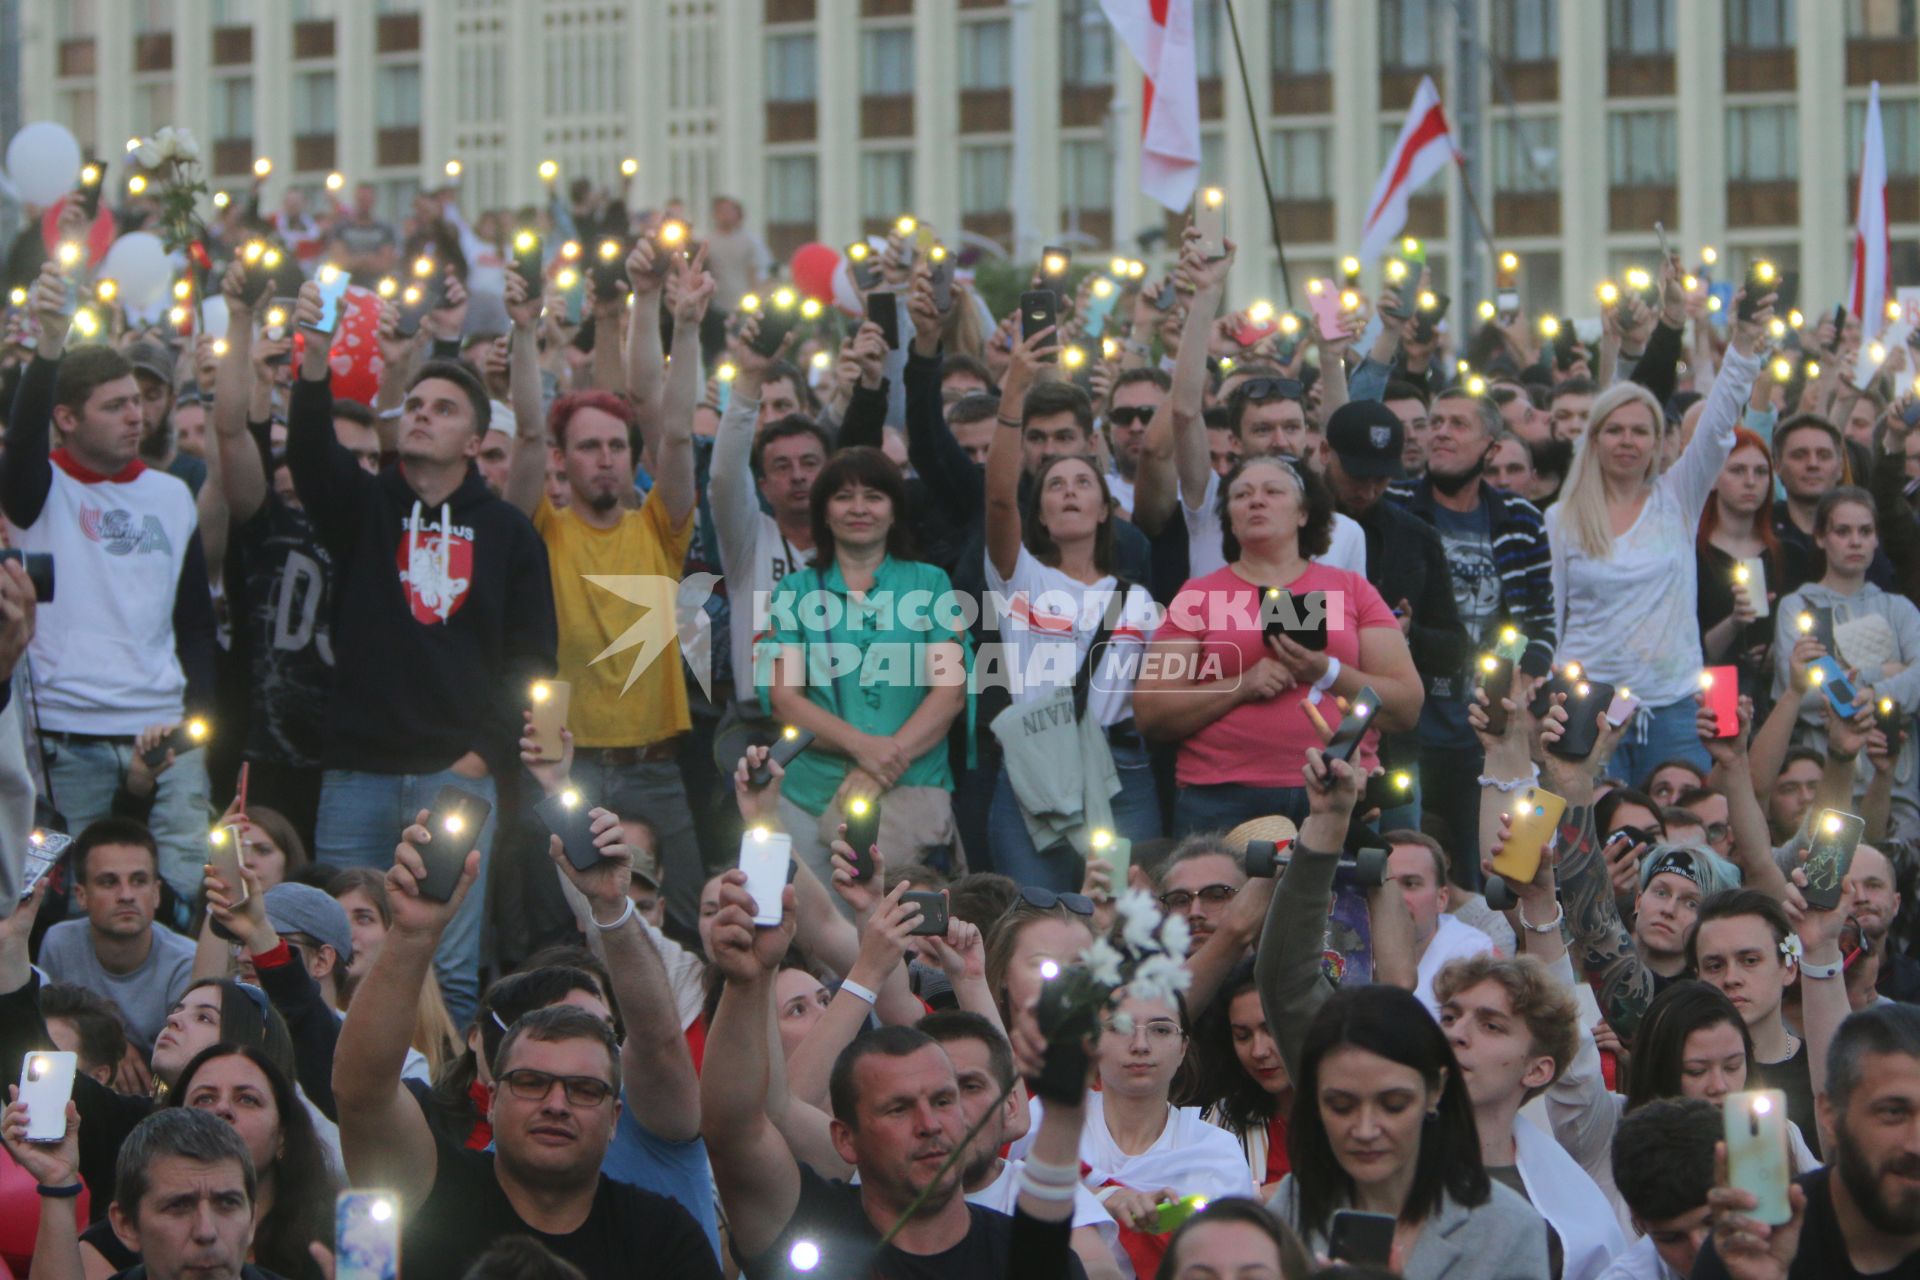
355 361
813 266
100 236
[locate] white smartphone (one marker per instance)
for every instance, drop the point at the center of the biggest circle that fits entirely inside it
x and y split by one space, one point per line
366 1236
1751 573
1757 1159
46 1084
767 858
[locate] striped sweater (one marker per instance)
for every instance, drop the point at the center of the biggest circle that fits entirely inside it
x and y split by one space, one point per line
1519 554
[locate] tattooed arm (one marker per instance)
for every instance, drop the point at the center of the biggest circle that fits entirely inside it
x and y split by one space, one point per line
1602 947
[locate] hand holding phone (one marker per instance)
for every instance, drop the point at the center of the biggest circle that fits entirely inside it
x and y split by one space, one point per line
792 741
863 833
767 858
332 282
933 913
455 822
1363 1239
1757 1152
1720 692
366 1236
1536 815
46 1086
1353 726
1583 706
1039 311
1834 837
569 816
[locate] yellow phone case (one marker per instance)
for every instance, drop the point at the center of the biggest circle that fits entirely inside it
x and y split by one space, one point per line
1536 816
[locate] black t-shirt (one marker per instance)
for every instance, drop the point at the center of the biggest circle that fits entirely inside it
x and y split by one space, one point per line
629 1232
1823 1249
830 1218
281 599
1793 1077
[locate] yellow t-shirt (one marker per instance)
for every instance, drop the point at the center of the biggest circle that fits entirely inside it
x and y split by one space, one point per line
605 711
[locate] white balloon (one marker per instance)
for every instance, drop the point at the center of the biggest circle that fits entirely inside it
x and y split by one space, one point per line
213 317
44 161
139 262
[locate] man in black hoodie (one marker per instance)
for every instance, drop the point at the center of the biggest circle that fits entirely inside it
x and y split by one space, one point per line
444 613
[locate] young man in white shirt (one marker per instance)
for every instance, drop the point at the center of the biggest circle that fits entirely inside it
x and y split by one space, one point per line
1663 1166
1419 866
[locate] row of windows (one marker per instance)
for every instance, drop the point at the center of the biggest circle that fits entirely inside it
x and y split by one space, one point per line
76 19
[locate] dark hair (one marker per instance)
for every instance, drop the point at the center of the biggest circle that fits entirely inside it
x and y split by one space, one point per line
1675 815
944 1026
606 402
120 831
788 372
1220 1081
247 1018
368 881
280 830
1683 1008
303 1183
843 1095
199 1136
501 1005
1672 762
961 362
1809 422
975 406
1553 457
1685 801
1049 398
1294 1263
866 466
1840 495
1663 1157
981 897
1402 389
555 1023
1438 851
83 371
1882 1028
1574 387
521 1258
1393 1024
1802 754
794 424
353 411
1160 378
1729 903
1607 805
1315 535
1040 541
1199 844
96 1020
463 377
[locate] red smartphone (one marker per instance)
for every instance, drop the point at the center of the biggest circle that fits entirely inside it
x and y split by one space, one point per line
241 790
1720 686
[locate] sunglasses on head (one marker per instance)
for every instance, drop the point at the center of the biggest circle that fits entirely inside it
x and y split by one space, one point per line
1046 900
1259 390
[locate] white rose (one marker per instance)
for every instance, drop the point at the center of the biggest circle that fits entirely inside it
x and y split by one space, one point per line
164 143
1175 936
1140 917
1157 979
1103 963
148 155
185 146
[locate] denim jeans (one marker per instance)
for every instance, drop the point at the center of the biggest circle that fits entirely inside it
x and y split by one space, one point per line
1655 737
654 790
361 818
85 774
1226 805
1136 815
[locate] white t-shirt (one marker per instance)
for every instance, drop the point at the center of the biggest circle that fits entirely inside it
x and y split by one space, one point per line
754 554
1455 939
1045 610
1190 1156
1121 488
1346 550
1002 1195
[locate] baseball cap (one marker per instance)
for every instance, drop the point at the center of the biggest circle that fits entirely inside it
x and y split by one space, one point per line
1692 862
646 866
301 908
1368 438
151 357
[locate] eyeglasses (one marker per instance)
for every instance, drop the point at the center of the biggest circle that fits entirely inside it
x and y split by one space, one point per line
1131 415
534 1086
1256 390
1159 1031
1046 900
1717 831
1182 899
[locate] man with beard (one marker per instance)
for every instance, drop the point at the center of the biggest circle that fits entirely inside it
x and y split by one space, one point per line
1876 906
1137 396
1496 553
1866 1221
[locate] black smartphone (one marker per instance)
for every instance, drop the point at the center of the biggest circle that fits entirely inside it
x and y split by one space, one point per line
93 177
863 266
883 309
1817 620
933 913
863 832
1039 309
1834 838
775 325
1892 722
1564 342
1364 1239
455 822
1840 325
1496 677
1354 725
1426 316
420 298
1165 296
567 816
39 566
1390 789
187 735
1763 278
1786 293
1585 701
792 741
528 262
1301 618
609 268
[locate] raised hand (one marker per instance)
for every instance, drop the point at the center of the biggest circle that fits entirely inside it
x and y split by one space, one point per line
412 913
604 884
742 951
51 1164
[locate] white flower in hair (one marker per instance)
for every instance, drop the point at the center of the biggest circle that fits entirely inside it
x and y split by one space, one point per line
1140 919
1103 963
1122 1024
1159 978
1175 936
1790 948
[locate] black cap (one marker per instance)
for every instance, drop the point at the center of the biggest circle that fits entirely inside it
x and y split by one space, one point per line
1368 438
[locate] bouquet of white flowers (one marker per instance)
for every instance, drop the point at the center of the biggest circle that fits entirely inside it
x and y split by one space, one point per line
174 156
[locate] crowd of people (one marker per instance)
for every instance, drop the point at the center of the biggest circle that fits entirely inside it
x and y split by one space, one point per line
421 757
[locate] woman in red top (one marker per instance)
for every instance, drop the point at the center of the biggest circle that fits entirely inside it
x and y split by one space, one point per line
1232 695
1245 1088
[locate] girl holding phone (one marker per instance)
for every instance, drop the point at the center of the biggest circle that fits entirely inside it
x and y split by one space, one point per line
1736 532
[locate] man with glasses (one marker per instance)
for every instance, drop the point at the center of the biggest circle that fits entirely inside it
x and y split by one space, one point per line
1710 809
1199 881
1137 396
559 1074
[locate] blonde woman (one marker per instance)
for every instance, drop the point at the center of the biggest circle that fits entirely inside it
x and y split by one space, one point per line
1622 535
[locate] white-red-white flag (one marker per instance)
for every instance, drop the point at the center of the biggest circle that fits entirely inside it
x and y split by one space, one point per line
1872 268
1159 35
1422 150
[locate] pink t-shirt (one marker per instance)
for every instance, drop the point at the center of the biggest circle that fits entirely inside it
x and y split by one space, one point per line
1263 744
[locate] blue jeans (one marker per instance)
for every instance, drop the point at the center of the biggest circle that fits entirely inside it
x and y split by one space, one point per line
86 772
1226 805
1136 815
361 818
1663 734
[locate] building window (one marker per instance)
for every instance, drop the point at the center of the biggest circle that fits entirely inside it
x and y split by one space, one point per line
151 16
1640 28
1086 44
986 179
1088 180
1526 159
313 102
1899 131
1763 144
886 183
1526 30
1208 33
153 104
793 190
790 69
1299 37
886 60
1300 163
79 110
1881 20
986 54
1641 149
1410 34
397 97
230 107
1759 24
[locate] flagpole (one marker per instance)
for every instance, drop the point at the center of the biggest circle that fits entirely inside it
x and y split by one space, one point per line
1260 153
1473 207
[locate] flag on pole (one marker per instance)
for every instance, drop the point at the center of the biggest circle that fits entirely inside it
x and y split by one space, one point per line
1423 148
1867 291
1159 35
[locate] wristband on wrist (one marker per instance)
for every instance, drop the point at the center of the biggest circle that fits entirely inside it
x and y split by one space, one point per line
858 991
617 921
62 1193
1005 421
1511 784
1821 972
1325 682
1551 926
1045 1192
1052 1175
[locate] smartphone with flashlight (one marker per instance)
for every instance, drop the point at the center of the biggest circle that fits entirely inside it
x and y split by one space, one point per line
455 823
223 855
863 266
1720 689
1496 678
792 741
549 702
43 852
1834 836
1757 1152
863 832
1762 279
93 175
1891 721
568 815
527 263
609 268
1210 220
767 858
46 1086
333 284
185 737
1324 302
366 1236
1826 673
1585 702
1354 725
941 273
1536 816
